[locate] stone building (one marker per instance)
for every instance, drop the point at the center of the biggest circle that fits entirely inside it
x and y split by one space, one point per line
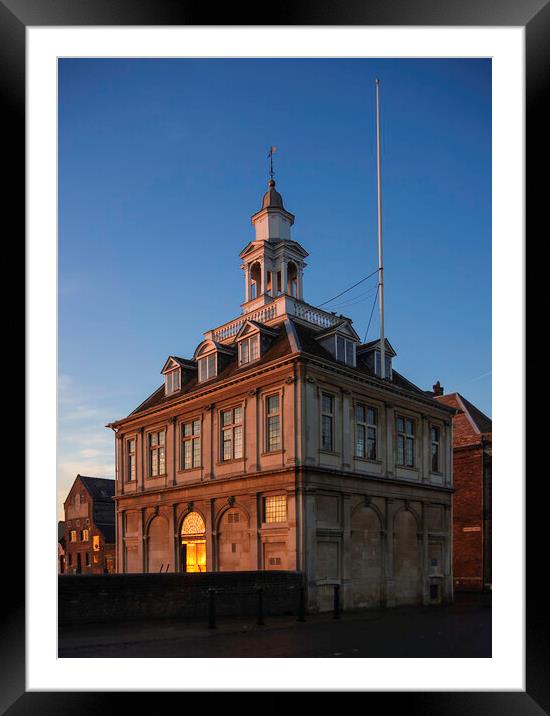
472 500
278 446
89 539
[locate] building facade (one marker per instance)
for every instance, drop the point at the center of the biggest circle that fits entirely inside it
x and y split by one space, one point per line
278 446
89 538
472 515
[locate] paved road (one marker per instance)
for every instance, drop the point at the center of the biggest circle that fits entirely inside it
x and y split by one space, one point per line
462 629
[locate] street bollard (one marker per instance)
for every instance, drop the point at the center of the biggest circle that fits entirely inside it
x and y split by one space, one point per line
337 601
260 607
302 606
211 608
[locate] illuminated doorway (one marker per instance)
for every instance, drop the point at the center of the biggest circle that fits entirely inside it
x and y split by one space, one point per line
193 544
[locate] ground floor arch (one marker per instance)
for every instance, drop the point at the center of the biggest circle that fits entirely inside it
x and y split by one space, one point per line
158 545
367 572
192 544
407 565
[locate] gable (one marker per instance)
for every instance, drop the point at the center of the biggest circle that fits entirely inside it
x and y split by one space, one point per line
171 364
344 329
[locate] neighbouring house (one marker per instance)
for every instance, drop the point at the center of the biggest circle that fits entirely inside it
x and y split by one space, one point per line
286 443
90 527
472 501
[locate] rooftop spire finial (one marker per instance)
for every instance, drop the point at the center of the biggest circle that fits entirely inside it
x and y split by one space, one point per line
272 151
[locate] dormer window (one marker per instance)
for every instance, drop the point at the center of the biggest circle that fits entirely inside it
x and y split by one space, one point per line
378 365
172 381
249 349
207 367
345 350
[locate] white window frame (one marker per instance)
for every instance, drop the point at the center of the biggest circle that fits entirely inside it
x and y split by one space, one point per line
231 427
366 425
405 436
274 414
128 461
205 361
348 346
332 416
438 443
156 448
193 438
171 386
248 341
378 365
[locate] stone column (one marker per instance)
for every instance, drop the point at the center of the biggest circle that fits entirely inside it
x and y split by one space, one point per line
141 458
388 558
173 430
211 537
120 562
346 552
119 462
425 557
172 531
247 280
284 287
347 430
142 539
253 530
310 549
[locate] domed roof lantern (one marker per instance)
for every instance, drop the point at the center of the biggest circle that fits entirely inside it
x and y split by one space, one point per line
272 199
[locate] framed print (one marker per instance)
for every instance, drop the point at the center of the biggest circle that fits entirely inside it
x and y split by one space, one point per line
50 46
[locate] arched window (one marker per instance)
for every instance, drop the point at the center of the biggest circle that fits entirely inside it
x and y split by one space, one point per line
292 279
193 524
255 280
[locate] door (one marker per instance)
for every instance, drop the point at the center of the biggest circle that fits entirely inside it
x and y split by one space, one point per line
193 556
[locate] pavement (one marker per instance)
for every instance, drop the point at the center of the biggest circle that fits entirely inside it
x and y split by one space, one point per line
461 629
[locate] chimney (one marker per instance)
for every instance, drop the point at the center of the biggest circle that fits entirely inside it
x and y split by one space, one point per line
438 389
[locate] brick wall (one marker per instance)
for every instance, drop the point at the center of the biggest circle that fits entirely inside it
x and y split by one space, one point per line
103 598
468 518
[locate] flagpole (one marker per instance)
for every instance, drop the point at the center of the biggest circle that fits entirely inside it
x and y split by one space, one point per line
380 258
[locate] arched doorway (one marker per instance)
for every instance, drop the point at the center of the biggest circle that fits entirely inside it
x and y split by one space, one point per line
406 559
255 280
157 545
193 544
366 558
234 553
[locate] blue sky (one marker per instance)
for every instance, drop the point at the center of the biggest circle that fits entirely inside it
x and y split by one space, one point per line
161 165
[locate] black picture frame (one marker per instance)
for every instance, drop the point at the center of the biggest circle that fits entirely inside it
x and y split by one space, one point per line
534 16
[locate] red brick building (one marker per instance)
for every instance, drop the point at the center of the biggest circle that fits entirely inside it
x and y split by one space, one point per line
89 540
472 450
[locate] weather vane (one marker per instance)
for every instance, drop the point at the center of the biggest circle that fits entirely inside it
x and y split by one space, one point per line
272 151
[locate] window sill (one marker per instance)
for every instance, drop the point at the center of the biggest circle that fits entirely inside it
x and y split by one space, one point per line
157 477
407 467
267 453
188 470
220 463
372 461
328 452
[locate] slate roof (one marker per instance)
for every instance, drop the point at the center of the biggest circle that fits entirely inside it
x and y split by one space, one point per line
280 347
100 488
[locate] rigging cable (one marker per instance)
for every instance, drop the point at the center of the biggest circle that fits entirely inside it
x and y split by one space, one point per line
370 319
347 289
